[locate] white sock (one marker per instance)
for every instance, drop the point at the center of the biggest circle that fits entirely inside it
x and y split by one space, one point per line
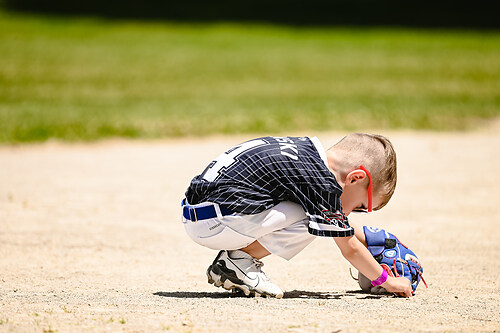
238 254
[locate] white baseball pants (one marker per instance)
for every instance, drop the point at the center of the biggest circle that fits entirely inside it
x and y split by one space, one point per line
282 230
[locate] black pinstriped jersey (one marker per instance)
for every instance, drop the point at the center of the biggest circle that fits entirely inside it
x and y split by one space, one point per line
258 174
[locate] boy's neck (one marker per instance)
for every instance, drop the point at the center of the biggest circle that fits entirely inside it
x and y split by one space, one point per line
335 166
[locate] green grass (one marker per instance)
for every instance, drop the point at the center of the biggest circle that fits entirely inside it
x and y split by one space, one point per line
87 79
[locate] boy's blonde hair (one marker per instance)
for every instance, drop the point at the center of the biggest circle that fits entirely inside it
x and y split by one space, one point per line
377 155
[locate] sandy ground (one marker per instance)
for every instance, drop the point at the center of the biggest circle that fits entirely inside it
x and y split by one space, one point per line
91 240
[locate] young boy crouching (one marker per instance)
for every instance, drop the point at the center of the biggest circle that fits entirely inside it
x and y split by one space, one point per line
274 195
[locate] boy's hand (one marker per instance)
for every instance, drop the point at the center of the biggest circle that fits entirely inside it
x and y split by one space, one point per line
394 256
398 285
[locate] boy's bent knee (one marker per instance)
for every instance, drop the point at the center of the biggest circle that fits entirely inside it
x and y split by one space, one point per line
216 235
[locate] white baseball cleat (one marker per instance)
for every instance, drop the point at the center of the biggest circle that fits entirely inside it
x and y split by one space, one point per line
238 269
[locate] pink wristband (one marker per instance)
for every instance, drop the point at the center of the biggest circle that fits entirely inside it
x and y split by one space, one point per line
382 278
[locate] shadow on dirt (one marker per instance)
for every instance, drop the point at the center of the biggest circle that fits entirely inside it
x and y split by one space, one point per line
359 294
195 294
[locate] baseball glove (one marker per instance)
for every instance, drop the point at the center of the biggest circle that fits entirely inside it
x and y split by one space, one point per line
396 258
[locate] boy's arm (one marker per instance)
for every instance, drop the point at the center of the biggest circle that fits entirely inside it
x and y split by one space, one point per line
359 256
358 232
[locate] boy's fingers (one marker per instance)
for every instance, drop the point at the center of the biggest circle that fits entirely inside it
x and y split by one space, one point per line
403 294
407 290
407 287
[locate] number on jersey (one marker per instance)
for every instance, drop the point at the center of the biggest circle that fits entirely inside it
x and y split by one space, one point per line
225 160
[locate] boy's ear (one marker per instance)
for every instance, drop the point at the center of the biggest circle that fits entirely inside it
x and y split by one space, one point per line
355 176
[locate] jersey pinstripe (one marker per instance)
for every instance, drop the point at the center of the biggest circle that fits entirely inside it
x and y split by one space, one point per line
258 174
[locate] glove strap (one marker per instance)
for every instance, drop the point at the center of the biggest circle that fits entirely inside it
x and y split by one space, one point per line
382 278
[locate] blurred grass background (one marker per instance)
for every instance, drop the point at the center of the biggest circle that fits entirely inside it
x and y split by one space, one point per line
89 78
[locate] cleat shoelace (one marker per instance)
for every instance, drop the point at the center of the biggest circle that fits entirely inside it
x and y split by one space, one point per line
258 264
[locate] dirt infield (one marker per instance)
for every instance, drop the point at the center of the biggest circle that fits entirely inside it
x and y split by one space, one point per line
91 240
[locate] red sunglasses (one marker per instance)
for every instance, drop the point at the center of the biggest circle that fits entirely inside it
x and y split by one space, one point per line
370 193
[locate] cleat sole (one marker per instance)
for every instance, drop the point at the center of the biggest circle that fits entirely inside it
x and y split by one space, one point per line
220 275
